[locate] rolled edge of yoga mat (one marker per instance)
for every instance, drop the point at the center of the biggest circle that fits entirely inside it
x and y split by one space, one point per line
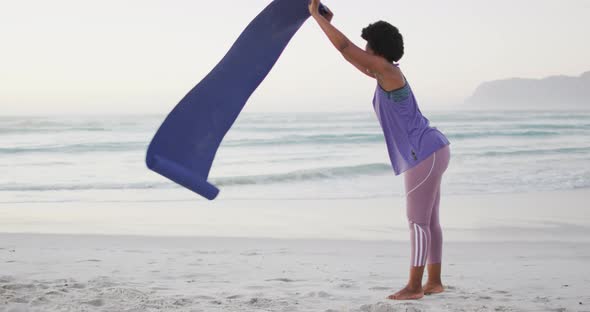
183 176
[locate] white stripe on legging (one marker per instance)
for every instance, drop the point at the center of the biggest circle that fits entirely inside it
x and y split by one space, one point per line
421 244
433 161
416 245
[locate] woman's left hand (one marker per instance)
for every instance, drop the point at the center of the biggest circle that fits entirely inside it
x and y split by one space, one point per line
314 7
329 15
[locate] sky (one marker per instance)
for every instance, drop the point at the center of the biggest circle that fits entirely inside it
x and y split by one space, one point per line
131 56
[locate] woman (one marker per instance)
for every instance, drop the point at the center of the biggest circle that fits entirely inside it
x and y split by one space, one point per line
417 149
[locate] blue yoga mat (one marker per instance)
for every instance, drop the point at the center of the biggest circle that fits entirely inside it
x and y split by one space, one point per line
184 146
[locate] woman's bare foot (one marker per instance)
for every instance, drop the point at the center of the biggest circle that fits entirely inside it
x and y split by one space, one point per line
433 288
407 293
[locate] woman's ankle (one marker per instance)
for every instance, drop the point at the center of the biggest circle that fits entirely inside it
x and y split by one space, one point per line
435 281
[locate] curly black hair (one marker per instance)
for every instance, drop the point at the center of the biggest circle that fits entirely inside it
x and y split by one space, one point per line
385 40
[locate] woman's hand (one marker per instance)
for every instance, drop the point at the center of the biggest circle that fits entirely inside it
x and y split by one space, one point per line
314 10
314 7
329 15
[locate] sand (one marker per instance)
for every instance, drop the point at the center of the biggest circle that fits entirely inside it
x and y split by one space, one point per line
502 252
52 272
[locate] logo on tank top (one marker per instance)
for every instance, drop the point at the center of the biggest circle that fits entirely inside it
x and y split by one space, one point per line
414 155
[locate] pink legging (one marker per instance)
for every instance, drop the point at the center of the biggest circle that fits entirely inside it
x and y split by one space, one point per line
422 183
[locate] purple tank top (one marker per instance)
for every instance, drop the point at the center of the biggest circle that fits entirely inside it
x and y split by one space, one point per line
408 134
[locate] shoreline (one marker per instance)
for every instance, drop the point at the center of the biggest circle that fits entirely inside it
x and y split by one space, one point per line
489 217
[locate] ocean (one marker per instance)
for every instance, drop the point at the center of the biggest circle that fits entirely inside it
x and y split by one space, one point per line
289 156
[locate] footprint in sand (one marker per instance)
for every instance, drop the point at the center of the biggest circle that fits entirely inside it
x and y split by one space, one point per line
541 299
96 302
346 285
19 300
204 297
386 307
79 285
18 286
380 288
320 294
234 297
39 301
502 292
260 302
182 302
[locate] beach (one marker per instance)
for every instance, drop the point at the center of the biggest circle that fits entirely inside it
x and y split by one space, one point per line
517 255
310 216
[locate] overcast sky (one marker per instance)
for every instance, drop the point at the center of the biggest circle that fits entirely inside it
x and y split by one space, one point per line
143 56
